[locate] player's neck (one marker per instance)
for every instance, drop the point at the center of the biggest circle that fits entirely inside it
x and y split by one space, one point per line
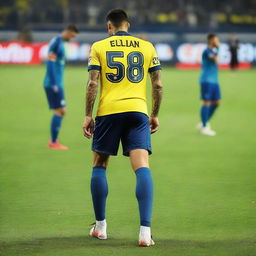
62 36
210 46
123 29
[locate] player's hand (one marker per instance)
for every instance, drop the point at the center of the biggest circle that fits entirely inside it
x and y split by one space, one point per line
154 124
55 88
88 127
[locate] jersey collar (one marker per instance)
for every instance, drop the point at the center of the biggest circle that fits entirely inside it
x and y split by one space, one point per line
121 33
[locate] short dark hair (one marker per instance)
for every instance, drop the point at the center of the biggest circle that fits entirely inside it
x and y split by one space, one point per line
117 17
210 36
73 28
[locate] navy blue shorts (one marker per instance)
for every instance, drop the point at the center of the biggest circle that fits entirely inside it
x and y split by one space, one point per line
56 99
210 91
131 128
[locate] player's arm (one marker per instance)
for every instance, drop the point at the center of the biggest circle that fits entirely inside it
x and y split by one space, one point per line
52 56
215 58
213 55
91 93
94 68
51 68
157 94
157 89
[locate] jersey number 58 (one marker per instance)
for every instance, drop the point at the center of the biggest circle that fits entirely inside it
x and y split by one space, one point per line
134 70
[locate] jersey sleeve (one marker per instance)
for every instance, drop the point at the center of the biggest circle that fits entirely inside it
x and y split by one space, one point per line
94 61
154 62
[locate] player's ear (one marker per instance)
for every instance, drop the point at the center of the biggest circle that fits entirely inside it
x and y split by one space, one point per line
128 25
109 25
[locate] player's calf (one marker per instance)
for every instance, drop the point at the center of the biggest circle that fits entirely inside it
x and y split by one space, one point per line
99 191
55 129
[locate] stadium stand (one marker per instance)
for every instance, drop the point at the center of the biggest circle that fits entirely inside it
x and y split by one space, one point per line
179 14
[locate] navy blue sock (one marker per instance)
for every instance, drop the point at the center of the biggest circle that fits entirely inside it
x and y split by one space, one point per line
99 190
55 127
212 109
144 194
204 114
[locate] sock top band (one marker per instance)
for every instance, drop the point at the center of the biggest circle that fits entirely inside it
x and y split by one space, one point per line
98 171
142 170
99 167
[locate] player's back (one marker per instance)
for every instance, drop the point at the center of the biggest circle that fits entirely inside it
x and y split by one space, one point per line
123 61
209 71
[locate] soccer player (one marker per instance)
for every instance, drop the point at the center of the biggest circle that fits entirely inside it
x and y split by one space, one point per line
210 89
53 82
233 48
121 62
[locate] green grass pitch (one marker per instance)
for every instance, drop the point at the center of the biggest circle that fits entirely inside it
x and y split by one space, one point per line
205 187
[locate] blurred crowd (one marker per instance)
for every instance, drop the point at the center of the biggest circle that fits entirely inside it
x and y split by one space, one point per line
91 13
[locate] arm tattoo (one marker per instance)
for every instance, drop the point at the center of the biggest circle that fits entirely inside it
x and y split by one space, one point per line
157 91
91 91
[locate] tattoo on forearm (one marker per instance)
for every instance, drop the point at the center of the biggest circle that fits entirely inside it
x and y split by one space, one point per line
91 91
157 91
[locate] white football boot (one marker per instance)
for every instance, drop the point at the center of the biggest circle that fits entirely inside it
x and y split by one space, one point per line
99 230
145 238
199 126
207 131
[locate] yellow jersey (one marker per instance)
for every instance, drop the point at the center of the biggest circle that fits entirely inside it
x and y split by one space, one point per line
123 62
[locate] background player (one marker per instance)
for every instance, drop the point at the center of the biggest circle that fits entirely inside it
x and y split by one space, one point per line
53 82
122 63
210 89
233 48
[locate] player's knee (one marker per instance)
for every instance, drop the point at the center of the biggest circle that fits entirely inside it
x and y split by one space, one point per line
139 158
206 103
100 159
60 111
64 112
216 103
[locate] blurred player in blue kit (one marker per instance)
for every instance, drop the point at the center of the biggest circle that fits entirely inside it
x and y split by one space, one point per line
53 82
210 89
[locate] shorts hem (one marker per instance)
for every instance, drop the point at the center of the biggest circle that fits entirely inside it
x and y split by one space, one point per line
52 108
104 152
126 153
204 99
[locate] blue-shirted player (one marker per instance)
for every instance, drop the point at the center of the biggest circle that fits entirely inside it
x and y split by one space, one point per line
210 89
53 82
